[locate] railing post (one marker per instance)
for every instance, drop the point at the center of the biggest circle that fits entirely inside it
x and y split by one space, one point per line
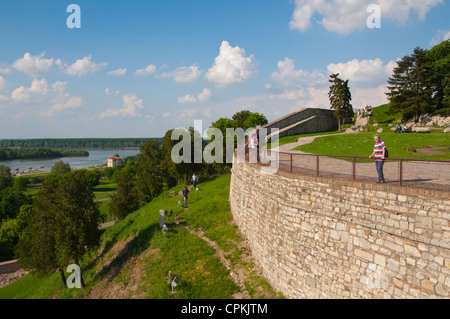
400 172
317 162
291 162
354 164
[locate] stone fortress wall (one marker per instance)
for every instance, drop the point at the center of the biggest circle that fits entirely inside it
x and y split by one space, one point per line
321 238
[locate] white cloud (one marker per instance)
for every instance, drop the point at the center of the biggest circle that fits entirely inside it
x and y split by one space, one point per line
72 102
5 70
288 77
346 16
34 65
440 36
131 103
373 71
203 97
84 66
231 66
113 93
187 99
118 72
3 83
147 70
62 100
183 74
37 88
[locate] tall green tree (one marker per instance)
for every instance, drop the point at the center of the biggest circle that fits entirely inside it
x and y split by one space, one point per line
5 177
412 89
149 179
63 226
340 98
125 200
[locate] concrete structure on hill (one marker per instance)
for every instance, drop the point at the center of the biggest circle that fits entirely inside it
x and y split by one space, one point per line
308 120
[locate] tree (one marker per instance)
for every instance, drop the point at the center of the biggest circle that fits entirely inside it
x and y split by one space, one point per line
125 200
64 224
60 168
411 89
5 177
149 180
171 176
340 97
92 177
11 200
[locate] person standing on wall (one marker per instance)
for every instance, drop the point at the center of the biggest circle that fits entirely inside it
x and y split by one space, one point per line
379 152
254 145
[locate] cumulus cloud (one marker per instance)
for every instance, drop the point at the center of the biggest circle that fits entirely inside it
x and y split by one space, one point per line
147 70
62 101
203 97
131 103
287 76
84 66
298 88
5 70
113 93
72 102
118 72
183 74
188 98
3 83
231 66
37 88
346 16
372 71
33 65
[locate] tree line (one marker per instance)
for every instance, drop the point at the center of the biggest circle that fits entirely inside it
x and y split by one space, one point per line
82 143
31 153
421 83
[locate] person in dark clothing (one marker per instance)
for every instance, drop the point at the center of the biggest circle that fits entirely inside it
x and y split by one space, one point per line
185 196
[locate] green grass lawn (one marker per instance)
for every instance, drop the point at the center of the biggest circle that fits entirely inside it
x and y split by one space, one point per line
294 138
137 243
399 145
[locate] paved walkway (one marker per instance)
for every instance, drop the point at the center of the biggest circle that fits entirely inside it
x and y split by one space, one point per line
424 174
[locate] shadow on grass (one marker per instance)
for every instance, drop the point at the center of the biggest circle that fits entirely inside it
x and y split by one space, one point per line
132 249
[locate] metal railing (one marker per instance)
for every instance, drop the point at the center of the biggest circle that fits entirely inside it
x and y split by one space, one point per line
429 174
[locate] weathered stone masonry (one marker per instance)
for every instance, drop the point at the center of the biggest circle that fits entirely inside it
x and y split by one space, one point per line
320 238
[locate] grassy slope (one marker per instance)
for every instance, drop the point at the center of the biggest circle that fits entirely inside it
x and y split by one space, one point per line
135 257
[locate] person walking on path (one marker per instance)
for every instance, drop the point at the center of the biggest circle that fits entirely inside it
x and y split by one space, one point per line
185 196
379 152
194 180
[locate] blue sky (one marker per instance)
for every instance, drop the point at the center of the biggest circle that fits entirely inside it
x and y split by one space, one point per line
140 68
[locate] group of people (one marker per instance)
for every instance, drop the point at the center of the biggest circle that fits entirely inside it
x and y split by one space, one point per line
401 129
365 112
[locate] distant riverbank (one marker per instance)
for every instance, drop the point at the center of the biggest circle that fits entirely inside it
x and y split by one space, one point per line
38 153
95 157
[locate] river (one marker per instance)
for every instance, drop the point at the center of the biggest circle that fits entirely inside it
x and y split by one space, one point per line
96 156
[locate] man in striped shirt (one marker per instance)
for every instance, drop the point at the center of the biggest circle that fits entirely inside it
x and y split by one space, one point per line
379 152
